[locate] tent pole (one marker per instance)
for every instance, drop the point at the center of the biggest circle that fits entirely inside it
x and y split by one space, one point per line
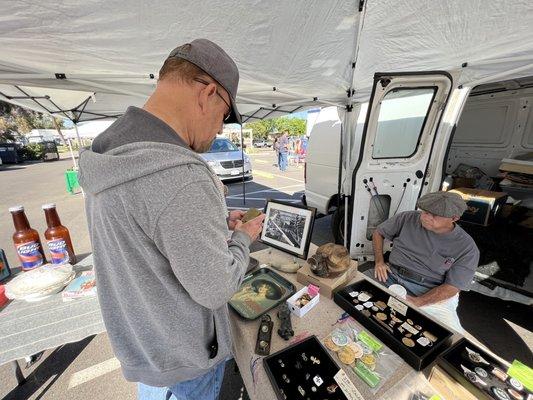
78 136
243 183
72 154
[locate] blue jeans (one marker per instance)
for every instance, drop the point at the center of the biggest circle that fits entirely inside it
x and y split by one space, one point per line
205 387
283 161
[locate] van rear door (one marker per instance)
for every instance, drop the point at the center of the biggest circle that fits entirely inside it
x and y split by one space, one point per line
404 112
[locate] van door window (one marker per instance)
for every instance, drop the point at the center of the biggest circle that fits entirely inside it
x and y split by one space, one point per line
402 116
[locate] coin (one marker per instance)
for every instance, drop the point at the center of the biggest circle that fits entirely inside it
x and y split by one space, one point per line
381 305
408 335
357 349
366 313
374 308
346 355
369 360
366 348
339 338
481 372
330 345
381 316
408 342
410 322
500 393
368 304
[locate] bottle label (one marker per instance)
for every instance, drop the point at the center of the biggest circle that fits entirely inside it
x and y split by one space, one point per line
30 254
58 251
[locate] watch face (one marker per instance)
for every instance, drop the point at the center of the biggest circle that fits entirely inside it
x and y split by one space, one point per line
500 393
516 384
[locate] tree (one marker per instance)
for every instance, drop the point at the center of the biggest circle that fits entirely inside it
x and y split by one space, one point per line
261 128
15 120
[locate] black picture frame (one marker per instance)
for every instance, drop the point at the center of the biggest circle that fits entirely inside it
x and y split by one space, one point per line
288 242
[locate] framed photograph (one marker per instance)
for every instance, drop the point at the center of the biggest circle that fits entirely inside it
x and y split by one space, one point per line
288 227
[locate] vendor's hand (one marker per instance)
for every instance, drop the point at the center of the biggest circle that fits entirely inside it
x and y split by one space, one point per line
381 271
234 216
252 228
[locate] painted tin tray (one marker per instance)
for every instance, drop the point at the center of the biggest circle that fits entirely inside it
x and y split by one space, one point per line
261 291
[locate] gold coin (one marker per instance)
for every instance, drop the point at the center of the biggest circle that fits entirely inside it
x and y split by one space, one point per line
346 355
410 322
381 305
357 349
381 316
408 342
330 345
369 360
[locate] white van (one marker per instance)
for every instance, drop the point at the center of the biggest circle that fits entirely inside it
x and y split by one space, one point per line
420 129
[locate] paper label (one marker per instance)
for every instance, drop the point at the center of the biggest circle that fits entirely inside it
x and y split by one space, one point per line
397 305
523 373
369 341
410 328
347 387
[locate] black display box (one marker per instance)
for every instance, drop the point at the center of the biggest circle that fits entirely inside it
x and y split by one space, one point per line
418 356
456 357
284 363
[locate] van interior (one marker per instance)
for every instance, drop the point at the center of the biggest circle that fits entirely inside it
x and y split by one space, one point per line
492 150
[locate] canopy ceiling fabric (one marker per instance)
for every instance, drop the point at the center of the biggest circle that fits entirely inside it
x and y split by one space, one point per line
106 54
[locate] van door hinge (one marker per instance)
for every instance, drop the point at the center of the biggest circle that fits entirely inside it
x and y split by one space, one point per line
361 4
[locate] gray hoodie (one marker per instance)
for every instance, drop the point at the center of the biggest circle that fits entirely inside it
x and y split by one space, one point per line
164 266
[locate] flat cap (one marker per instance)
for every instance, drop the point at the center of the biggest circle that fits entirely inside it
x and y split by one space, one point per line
443 204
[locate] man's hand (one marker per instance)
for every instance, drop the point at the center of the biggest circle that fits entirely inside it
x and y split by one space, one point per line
234 216
252 228
381 271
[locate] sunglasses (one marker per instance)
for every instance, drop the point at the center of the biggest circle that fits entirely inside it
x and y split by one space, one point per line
226 117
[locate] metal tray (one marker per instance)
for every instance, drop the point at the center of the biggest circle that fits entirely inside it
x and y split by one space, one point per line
260 292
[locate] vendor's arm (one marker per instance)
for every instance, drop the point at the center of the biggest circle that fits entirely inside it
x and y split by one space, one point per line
389 229
435 295
192 233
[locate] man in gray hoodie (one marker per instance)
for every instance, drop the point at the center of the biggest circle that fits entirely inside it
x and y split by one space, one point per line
165 262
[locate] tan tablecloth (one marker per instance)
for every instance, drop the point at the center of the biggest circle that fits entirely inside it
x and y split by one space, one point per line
319 321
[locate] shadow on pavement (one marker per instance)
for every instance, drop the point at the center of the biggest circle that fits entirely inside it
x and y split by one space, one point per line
52 366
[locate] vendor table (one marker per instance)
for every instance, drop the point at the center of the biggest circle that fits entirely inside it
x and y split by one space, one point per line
319 321
28 328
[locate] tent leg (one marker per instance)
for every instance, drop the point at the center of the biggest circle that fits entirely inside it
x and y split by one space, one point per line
243 179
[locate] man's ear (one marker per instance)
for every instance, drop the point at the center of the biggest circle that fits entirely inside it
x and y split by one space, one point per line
455 218
205 94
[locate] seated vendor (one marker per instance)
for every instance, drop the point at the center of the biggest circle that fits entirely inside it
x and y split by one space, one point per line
432 257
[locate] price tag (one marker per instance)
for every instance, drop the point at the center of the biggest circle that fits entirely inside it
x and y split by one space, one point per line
347 387
397 305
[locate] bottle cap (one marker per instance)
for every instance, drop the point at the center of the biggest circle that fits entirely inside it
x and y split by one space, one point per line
16 208
49 205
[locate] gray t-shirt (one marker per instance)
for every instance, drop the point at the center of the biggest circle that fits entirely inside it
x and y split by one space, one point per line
450 258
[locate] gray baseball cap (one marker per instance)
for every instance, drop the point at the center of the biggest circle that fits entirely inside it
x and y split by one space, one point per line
443 204
216 63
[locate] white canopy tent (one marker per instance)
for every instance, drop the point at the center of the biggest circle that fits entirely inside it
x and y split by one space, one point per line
91 59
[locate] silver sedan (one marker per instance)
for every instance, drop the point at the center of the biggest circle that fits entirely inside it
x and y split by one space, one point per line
226 160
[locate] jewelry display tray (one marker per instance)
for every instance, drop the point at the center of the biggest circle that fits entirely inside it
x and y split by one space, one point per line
456 355
289 356
418 356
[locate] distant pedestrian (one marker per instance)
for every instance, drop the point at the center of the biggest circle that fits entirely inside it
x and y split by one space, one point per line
276 149
283 151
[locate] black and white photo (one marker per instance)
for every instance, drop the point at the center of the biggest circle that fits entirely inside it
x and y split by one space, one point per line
288 227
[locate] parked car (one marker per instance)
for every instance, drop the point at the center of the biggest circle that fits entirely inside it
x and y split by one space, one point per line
227 160
259 143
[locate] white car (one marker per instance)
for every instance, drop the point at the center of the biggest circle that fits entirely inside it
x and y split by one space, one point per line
227 160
